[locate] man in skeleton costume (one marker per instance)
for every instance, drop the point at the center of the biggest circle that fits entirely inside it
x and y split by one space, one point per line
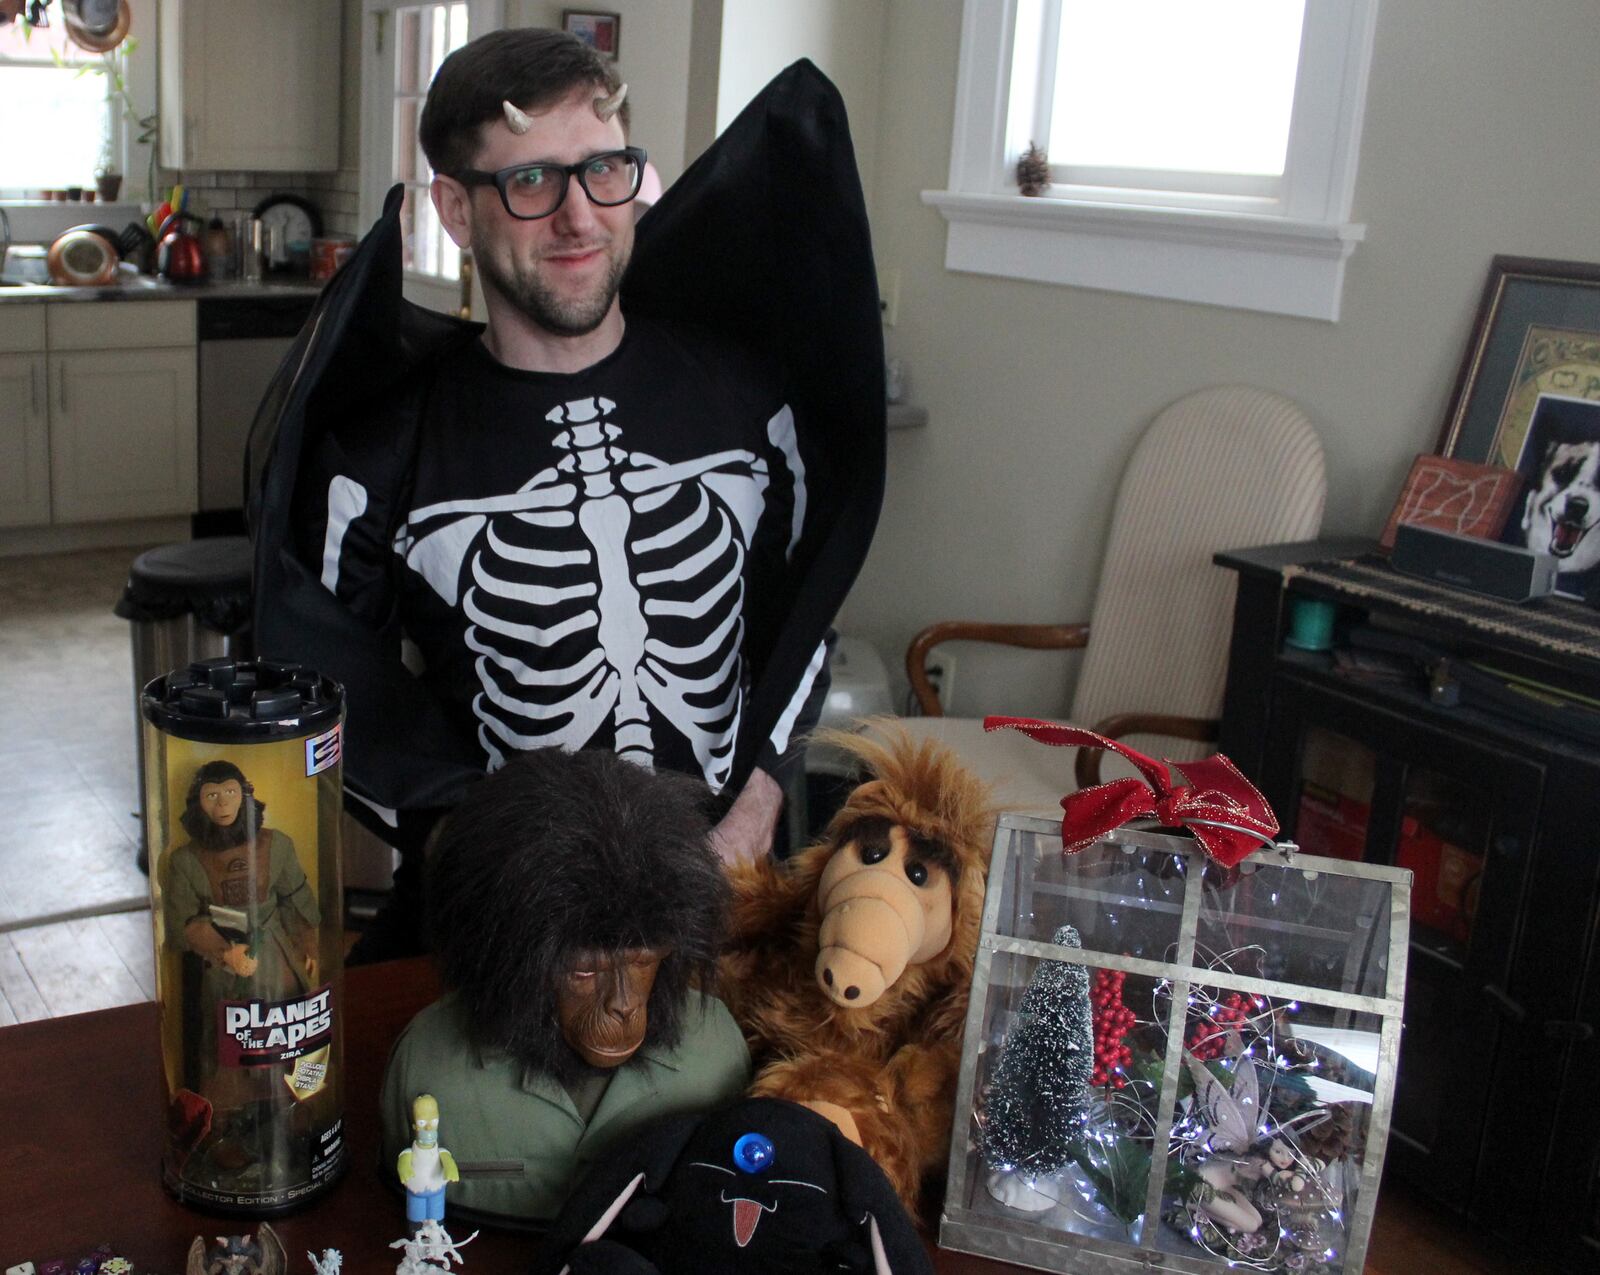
620 521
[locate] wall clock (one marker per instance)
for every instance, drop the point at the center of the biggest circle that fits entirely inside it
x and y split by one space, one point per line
298 222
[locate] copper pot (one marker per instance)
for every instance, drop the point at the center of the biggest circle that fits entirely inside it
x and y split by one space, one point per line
84 257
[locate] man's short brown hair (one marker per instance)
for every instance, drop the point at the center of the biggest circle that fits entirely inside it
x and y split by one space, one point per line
529 67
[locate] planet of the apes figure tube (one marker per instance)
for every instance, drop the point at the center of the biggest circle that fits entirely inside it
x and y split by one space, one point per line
243 803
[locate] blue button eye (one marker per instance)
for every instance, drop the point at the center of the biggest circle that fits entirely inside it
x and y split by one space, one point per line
753 1153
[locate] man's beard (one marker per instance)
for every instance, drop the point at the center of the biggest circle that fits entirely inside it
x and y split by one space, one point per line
560 315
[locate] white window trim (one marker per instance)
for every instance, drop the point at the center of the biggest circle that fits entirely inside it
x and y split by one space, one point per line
377 93
1284 256
128 157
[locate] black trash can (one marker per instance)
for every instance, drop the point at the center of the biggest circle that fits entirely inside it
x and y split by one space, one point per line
187 602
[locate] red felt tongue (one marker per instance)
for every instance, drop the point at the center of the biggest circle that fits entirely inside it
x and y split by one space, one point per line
746 1213
1565 536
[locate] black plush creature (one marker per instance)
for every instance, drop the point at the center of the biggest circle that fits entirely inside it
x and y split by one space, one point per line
761 1185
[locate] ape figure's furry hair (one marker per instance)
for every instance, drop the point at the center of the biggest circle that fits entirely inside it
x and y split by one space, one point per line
891 1064
564 853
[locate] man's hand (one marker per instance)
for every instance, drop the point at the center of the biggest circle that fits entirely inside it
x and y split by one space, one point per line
746 830
237 960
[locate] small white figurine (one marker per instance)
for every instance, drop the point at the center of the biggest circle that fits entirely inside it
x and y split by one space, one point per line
430 1251
331 1264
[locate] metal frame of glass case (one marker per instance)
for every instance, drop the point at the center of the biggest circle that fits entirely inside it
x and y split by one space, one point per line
1361 957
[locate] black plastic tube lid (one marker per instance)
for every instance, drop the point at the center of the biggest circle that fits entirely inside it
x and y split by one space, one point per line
225 701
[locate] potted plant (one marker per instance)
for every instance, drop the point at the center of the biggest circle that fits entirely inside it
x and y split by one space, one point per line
113 48
107 177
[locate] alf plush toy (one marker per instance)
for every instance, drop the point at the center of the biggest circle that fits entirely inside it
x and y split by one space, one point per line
851 963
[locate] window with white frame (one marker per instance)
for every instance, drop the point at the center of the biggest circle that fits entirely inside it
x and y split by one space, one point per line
1205 152
424 35
44 77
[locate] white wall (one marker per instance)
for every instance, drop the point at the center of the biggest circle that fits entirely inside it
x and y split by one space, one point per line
999 508
843 37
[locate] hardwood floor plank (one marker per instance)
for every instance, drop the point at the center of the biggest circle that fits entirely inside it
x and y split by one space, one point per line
17 985
67 857
75 968
129 934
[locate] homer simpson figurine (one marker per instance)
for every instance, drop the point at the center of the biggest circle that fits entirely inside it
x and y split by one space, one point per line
425 1166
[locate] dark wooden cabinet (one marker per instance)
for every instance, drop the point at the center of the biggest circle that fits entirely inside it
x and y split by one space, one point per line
1497 1103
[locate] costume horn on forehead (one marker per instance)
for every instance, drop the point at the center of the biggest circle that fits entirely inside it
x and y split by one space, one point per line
606 107
516 120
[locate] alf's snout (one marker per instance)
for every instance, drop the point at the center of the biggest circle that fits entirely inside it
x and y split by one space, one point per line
872 926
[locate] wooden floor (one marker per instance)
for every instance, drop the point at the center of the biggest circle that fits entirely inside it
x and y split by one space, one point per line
1412 1236
71 967
68 839
68 825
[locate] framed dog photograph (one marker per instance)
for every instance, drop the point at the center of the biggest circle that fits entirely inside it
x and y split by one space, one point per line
602 31
1560 464
1537 332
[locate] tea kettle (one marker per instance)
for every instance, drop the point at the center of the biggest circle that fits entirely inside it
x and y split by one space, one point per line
180 257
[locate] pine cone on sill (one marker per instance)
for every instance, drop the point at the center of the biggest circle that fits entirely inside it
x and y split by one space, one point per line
1033 171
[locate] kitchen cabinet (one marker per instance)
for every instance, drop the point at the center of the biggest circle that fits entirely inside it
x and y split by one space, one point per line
97 412
122 410
24 419
122 434
250 86
24 441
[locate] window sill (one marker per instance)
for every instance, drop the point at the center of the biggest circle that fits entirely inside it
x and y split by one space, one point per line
1240 260
40 220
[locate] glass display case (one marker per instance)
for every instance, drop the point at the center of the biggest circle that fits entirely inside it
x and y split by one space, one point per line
1171 1063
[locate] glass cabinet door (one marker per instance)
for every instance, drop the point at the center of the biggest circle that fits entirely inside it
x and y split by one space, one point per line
1460 816
1445 822
1333 806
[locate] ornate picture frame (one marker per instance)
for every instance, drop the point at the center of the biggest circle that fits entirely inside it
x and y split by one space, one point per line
1537 332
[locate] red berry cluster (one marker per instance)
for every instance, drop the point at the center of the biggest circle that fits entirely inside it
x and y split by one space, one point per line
1208 1037
1112 1019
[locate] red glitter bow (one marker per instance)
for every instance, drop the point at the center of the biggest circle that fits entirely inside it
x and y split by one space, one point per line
1222 808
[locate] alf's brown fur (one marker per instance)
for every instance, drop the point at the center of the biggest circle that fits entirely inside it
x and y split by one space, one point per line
892 1064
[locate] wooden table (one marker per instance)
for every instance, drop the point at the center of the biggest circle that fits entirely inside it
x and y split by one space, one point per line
80 1140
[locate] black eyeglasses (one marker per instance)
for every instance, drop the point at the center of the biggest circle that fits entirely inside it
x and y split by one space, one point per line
531 191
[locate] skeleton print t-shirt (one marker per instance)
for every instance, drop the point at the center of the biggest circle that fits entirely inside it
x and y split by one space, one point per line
574 556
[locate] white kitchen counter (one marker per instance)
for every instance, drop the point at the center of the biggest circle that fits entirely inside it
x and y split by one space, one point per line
149 288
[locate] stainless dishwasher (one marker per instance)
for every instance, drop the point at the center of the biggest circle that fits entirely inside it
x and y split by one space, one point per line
242 341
